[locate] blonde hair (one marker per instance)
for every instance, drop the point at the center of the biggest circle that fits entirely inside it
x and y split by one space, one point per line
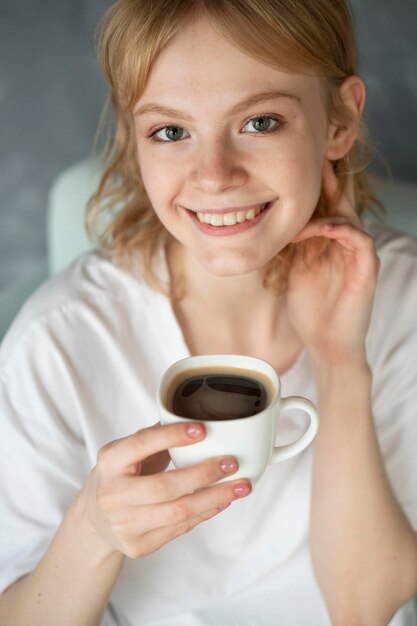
315 34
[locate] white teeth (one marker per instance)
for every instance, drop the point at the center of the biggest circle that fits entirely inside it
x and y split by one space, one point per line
228 219
216 219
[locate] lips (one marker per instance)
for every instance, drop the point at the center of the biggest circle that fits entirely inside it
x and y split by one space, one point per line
230 221
230 217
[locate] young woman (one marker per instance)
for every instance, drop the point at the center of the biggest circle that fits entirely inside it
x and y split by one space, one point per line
235 173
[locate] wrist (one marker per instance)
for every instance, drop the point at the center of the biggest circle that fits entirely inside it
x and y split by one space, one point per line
345 382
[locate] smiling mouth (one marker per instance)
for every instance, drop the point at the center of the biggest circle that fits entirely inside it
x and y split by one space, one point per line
228 217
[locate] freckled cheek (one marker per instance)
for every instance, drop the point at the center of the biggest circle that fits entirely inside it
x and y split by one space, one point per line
298 172
161 183
298 181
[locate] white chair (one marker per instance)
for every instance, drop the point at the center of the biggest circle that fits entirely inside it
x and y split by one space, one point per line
68 198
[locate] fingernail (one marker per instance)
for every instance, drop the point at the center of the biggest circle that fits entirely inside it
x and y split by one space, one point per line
242 490
195 431
228 465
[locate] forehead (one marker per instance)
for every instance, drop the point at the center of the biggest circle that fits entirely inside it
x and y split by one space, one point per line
199 61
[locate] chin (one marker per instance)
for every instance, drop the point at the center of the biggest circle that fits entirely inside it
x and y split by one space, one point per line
231 265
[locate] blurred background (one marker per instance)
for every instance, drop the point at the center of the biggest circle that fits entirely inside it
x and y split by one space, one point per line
51 94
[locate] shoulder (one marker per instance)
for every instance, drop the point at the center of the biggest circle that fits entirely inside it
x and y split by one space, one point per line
397 253
82 355
92 294
392 337
397 278
391 243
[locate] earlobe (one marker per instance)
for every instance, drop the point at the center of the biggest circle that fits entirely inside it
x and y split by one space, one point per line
344 129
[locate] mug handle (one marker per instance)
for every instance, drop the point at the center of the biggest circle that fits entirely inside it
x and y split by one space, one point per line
281 453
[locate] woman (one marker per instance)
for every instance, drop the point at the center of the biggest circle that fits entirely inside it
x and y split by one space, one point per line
235 158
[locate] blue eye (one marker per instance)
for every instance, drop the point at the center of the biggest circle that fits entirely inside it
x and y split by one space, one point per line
262 124
169 134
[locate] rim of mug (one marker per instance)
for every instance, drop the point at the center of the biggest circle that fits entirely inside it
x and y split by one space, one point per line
186 363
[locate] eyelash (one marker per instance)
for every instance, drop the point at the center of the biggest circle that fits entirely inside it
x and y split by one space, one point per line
275 129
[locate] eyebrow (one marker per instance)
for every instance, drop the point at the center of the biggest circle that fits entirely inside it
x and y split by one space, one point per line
153 107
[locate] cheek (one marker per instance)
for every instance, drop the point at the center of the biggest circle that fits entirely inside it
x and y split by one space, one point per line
303 177
299 178
157 179
299 173
149 171
162 184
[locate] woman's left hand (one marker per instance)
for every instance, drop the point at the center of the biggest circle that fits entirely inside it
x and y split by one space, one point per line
330 292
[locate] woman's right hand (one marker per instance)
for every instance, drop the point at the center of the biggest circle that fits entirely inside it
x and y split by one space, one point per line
136 507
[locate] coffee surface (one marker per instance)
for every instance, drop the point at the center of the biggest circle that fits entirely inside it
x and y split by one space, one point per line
218 396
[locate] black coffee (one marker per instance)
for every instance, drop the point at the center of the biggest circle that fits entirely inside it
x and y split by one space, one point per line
204 395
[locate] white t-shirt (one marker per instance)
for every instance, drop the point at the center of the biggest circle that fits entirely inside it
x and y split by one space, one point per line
80 367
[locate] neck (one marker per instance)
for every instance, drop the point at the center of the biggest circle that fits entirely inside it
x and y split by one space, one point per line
233 314
221 294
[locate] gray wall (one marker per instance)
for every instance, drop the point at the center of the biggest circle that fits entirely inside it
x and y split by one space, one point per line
51 93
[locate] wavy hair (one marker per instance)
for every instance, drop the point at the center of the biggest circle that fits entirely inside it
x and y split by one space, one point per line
296 34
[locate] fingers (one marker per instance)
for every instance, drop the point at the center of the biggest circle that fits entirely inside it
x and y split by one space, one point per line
144 518
337 228
355 244
168 486
155 539
359 244
144 529
315 228
135 513
124 455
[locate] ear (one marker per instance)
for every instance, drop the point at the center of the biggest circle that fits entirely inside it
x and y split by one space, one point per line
345 121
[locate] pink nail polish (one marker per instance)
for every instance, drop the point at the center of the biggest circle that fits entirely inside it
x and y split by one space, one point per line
194 430
228 465
242 490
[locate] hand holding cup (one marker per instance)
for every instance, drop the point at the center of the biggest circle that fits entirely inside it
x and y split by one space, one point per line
235 424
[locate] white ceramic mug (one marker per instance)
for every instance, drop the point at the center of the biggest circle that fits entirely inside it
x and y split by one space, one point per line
250 439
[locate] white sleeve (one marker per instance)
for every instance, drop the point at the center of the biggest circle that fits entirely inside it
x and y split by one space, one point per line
43 456
43 461
393 356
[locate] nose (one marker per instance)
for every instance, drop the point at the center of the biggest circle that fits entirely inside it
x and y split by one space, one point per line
218 168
